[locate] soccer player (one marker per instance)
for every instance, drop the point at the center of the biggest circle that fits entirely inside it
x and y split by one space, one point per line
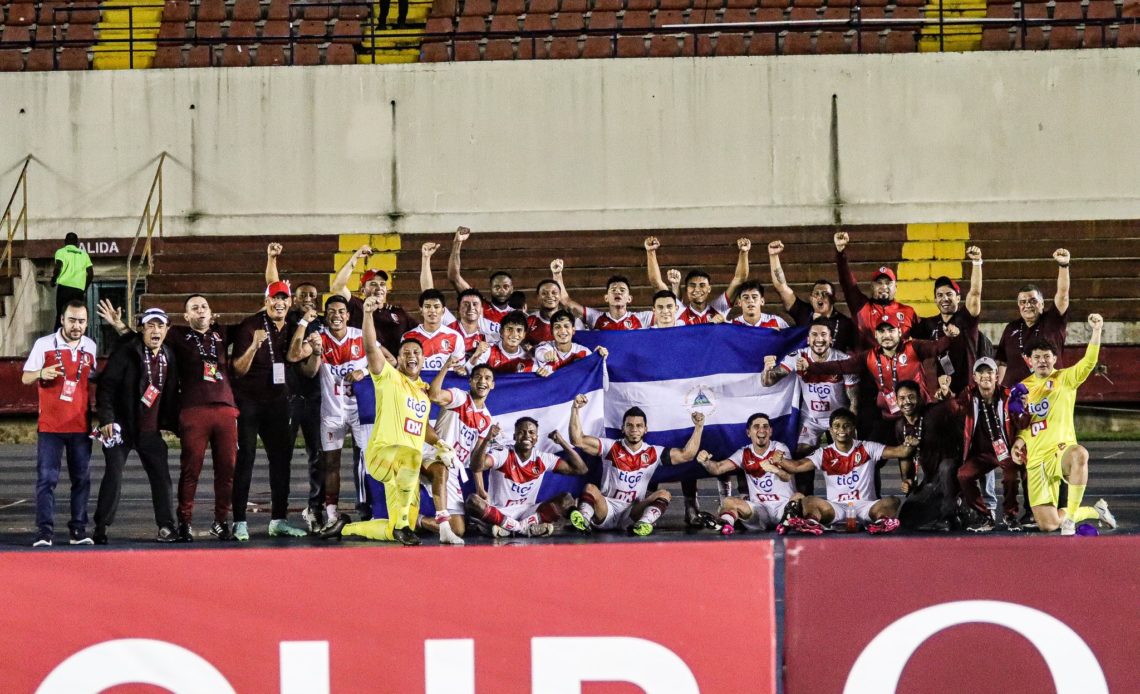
549 302
848 465
868 312
471 323
958 361
336 354
820 395
822 304
769 487
697 307
502 285
1036 322
617 315
438 341
392 321
1050 440
562 350
394 452
627 468
750 299
509 355
665 310
463 423
511 504
931 504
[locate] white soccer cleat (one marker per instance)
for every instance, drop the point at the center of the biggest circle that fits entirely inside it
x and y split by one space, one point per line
1106 516
281 528
500 531
447 536
539 530
1068 527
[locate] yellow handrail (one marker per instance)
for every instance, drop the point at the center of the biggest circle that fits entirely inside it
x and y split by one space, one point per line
147 221
21 219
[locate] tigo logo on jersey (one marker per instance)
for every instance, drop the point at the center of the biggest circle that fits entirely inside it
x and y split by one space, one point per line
413 427
1038 409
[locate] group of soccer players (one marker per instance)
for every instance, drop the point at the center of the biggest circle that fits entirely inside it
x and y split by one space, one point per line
862 384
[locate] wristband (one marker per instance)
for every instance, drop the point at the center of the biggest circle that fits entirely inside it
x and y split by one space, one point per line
977 263
303 323
1063 267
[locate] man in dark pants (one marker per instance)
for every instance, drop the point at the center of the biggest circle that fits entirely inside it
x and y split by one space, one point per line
260 345
137 398
932 503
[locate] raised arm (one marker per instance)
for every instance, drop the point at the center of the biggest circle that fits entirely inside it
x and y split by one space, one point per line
773 372
652 268
426 252
479 460
974 296
340 282
854 297
714 467
590 444
312 364
112 316
1061 298
300 348
693 445
572 464
1084 368
779 281
556 267
271 253
743 246
378 357
453 276
436 392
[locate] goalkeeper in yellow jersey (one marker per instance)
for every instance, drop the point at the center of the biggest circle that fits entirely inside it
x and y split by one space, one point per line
1048 444
394 451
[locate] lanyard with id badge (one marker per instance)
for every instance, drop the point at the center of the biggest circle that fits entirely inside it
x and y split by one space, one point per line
944 358
210 371
69 386
278 367
889 395
150 395
1001 450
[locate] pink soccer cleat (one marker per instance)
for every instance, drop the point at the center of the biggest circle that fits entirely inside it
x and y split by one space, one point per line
883 525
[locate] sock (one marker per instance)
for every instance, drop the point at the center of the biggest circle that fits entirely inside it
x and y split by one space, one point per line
728 517
442 517
586 505
1076 493
653 512
331 512
495 517
1083 513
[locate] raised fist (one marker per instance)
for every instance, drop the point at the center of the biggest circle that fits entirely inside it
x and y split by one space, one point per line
1095 321
556 265
717 318
1061 255
259 336
602 351
703 457
698 419
973 254
273 250
952 331
652 244
744 244
310 314
462 234
493 432
364 251
480 348
801 364
428 249
841 240
371 304
673 276
316 343
776 247
580 401
555 436
769 362
911 441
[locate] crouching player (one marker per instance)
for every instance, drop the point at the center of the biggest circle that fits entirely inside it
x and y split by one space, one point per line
516 475
849 467
769 487
627 468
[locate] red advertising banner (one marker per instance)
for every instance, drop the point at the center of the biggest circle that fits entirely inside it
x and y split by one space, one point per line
536 618
1016 614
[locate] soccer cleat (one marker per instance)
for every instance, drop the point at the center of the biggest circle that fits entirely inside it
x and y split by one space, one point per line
406 537
808 526
79 537
792 509
334 530
1028 522
1011 523
100 535
883 525
1106 516
693 517
241 531
312 518
447 536
279 527
165 534
221 530
641 528
499 532
984 525
42 541
579 522
728 529
185 533
1068 527
539 530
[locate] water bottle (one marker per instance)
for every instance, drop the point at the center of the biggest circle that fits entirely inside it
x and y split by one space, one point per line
852 523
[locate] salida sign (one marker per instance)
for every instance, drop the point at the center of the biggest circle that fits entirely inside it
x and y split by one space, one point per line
496 619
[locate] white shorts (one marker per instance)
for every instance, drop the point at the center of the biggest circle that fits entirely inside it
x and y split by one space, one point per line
454 488
617 515
518 511
862 511
333 431
810 431
765 515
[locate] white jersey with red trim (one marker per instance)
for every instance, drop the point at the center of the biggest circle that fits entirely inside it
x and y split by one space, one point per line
438 345
820 395
514 482
548 354
850 475
717 307
538 329
763 485
767 320
502 361
632 320
626 473
488 331
338 359
461 424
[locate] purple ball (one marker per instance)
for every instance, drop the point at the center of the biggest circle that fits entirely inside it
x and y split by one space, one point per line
1087 530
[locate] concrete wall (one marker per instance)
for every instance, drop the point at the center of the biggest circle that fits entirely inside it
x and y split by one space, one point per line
581 144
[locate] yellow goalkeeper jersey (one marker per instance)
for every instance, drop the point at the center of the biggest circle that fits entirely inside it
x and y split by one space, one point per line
402 409
1051 402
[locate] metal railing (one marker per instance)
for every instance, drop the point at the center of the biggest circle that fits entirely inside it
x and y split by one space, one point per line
150 218
20 220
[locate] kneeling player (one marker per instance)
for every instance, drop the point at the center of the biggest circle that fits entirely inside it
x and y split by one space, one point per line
516 475
769 487
849 467
627 468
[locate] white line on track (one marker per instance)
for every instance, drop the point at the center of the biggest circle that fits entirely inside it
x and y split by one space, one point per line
1114 455
14 503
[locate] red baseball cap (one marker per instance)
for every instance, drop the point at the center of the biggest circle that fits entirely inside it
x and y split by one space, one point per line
370 275
278 287
887 319
884 270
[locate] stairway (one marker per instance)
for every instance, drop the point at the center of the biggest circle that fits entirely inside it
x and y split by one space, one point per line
930 251
395 45
121 20
957 37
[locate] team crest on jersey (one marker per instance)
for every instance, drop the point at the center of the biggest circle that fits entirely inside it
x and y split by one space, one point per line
1049 384
899 315
902 359
858 458
355 349
446 345
645 457
700 399
627 323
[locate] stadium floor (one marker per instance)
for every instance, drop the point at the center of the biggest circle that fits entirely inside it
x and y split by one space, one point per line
1112 475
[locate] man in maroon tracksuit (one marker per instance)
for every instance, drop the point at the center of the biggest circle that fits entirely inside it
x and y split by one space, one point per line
868 311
